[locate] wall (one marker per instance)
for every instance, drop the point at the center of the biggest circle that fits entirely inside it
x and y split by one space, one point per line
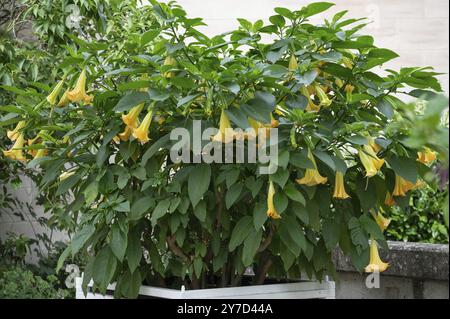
416 271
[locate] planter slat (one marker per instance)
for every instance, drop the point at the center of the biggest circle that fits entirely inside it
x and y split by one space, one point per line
298 290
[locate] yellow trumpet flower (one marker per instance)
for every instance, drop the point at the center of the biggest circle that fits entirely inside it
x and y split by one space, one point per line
312 176
271 210
293 64
323 97
172 62
52 98
376 148
339 188
224 126
339 83
14 134
131 119
78 94
66 175
382 221
64 100
125 135
402 186
375 262
426 156
141 133
41 153
16 153
311 107
347 62
389 200
370 160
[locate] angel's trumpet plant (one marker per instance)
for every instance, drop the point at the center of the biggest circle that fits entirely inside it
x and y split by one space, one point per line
141 133
224 136
311 107
371 162
78 94
64 100
375 262
402 186
339 187
16 152
14 134
382 221
293 64
52 98
312 176
271 210
426 156
323 97
169 61
132 118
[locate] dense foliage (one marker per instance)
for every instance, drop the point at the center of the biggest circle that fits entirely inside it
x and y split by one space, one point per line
346 149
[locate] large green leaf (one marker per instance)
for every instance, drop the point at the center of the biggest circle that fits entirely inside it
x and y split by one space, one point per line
198 182
118 241
240 232
131 100
251 245
104 267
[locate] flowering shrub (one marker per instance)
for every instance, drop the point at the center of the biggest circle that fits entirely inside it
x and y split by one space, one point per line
101 137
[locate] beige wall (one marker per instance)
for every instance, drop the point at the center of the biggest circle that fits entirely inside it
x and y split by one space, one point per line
416 29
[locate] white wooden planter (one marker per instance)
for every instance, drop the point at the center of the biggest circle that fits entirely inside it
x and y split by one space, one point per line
298 290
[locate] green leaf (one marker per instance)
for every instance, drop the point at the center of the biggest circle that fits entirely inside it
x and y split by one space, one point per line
154 148
280 177
358 236
367 193
200 211
67 184
240 232
316 8
62 258
331 233
118 241
251 245
260 107
91 192
131 100
281 202
141 207
123 207
160 210
259 215
198 182
82 237
238 117
325 158
233 194
129 284
404 167
134 249
293 193
104 268
300 159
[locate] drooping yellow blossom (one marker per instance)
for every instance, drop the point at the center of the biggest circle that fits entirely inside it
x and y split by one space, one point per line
389 200
169 60
14 134
64 99
311 107
141 133
131 119
375 262
382 221
312 176
370 160
339 83
125 135
347 62
66 175
271 210
376 148
323 97
426 156
224 125
339 188
78 94
30 142
293 64
52 98
402 186
41 153
16 153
